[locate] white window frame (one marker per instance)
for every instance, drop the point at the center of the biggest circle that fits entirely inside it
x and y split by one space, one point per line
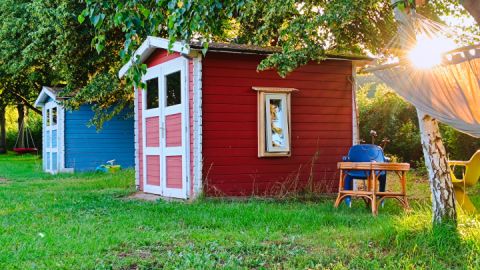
148 113
285 125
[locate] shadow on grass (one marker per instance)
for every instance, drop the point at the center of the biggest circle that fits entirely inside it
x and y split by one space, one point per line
259 234
415 243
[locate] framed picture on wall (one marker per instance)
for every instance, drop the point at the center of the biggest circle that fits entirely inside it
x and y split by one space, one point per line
274 115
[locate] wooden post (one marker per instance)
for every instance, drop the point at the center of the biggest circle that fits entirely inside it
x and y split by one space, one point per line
21 126
3 133
443 194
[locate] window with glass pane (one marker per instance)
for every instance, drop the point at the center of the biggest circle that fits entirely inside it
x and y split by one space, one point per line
274 121
48 118
173 85
152 93
54 116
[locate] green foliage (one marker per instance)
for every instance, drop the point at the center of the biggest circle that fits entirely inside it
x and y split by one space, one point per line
391 117
309 30
19 72
305 31
42 43
108 96
77 44
179 20
84 221
460 146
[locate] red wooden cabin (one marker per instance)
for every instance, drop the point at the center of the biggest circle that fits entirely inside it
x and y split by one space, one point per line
213 124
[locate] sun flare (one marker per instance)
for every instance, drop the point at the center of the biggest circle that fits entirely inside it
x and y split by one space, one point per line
428 50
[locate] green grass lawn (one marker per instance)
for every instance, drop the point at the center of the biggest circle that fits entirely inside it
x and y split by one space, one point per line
84 221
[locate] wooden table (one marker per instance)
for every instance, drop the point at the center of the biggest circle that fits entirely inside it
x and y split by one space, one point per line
371 194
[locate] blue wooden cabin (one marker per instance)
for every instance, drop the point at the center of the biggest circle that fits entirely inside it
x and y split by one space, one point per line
70 145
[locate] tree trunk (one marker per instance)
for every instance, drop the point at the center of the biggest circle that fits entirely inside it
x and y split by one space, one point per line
25 101
473 7
3 133
443 198
443 195
21 126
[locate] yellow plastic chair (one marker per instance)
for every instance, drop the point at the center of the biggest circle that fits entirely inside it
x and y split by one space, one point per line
470 176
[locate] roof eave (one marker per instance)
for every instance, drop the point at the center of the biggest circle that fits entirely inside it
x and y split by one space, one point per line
45 92
148 47
152 43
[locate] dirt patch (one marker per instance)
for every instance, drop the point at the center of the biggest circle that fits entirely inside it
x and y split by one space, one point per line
142 196
3 180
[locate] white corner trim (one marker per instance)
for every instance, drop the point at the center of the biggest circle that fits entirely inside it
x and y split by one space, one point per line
197 126
45 92
147 48
136 138
61 141
44 143
186 134
61 138
355 126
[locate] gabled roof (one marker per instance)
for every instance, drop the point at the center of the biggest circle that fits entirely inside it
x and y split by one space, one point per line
148 47
153 43
47 92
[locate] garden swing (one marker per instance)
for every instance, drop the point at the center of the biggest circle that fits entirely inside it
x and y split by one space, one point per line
25 143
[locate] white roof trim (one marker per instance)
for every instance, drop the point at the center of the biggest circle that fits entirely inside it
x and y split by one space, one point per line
45 92
148 47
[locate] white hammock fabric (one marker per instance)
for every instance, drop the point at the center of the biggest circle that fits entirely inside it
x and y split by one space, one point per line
449 92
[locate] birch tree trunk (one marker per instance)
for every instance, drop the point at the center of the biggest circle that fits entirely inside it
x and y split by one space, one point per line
443 195
443 198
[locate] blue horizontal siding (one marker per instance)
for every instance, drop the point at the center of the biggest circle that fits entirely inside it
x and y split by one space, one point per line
85 148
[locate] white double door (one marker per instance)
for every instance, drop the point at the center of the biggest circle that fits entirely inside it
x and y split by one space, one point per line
51 137
165 128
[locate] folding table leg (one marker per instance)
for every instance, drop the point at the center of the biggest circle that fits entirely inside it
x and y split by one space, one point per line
374 193
340 189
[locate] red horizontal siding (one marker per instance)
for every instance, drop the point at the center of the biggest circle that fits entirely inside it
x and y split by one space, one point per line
239 74
160 56
331 127
321 126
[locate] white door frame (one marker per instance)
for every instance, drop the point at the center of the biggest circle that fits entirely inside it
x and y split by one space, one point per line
149 151
48 140
160 71
179 64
